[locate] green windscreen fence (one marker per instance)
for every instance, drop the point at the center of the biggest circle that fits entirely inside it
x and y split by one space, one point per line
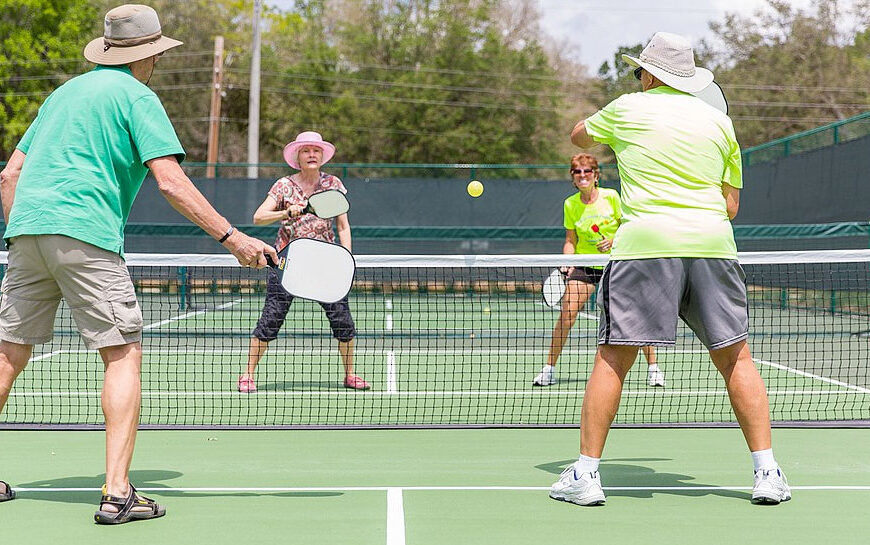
832 134
187 238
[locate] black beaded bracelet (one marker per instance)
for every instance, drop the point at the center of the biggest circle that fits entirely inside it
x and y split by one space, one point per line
230 231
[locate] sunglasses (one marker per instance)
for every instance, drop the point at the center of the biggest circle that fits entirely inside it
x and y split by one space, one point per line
582 171
637 72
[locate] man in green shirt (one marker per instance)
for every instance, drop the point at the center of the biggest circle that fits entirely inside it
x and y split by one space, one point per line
67 191
673 255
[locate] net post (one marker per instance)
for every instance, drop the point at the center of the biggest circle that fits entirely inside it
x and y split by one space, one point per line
182 288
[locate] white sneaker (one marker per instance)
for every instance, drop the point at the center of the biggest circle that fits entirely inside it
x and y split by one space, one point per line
546 377
656 378
771 487
583 489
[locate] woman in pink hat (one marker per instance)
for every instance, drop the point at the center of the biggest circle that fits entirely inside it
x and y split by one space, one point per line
284 203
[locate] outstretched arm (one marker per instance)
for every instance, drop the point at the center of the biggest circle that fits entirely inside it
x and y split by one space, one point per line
177 188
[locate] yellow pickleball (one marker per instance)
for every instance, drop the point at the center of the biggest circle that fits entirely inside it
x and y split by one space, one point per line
475 188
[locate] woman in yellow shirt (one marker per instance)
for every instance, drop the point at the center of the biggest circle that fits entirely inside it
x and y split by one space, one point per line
591 217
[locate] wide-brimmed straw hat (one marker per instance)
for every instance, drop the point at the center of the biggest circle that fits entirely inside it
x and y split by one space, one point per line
132 33
307 138
670 58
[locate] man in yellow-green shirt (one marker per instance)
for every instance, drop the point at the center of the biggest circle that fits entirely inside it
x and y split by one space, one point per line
673 256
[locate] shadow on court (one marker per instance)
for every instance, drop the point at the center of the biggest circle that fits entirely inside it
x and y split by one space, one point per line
616 473
141 479
301 385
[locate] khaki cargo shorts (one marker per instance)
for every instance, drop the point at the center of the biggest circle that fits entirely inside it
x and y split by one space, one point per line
94 282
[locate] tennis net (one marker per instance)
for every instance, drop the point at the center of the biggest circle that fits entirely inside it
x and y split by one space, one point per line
450 341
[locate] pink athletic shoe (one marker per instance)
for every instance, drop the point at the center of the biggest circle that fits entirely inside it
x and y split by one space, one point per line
356 383
246 385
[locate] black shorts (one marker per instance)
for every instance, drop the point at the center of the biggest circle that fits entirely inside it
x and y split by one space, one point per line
587 275
278 303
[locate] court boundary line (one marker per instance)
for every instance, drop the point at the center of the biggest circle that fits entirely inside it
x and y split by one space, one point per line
278 489
441 393
187 315
395 516
821 378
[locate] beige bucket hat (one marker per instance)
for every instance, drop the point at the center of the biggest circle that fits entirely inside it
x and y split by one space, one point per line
670 58
132 33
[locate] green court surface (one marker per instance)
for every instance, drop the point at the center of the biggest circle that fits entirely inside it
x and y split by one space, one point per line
438 487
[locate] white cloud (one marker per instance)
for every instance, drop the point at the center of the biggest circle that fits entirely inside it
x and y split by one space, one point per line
598 27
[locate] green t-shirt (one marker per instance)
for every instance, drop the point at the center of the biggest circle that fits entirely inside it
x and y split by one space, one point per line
580 217
86 154
674 152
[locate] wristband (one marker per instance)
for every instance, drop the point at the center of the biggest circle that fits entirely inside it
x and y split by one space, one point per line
230 231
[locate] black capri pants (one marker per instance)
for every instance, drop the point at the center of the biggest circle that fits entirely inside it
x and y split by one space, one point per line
278 303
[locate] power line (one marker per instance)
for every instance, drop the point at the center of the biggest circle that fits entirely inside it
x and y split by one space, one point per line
804 120
862 106
764 87
351 128
167 56
157 73
382 83
405 100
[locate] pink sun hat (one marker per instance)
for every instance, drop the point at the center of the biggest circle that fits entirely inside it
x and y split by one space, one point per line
307 138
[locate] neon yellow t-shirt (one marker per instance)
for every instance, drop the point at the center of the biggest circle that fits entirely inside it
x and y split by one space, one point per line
580 217
674 152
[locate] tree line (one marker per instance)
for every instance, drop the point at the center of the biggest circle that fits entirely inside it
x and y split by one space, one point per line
431 81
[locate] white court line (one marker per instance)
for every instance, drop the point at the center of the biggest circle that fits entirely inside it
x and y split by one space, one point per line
49 355
395 517
441 393
277 489
149 326
392 386
189 314
328 352
813 376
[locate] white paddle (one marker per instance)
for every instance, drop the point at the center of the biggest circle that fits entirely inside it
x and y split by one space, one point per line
713 95
554 288
327 204
316 270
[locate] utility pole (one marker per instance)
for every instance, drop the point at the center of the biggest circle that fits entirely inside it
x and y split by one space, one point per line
254 98
214 116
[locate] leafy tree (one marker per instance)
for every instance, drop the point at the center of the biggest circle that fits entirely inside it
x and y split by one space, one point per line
617 77
786 70
411 81
41 44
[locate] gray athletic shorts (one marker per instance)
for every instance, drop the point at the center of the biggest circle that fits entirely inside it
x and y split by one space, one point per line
640 301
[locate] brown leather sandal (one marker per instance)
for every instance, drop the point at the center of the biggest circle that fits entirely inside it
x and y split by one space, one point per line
126 508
